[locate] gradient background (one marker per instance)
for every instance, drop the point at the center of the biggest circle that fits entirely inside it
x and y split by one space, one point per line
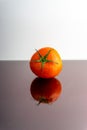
29 24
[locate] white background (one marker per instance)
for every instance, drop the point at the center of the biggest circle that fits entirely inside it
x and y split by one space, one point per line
29 24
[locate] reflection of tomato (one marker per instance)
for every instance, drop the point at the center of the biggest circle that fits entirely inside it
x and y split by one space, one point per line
46 63
45 90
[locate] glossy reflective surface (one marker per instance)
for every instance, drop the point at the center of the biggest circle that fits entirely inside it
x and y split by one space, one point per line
19 110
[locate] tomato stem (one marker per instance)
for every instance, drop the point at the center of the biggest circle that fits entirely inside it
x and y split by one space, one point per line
43 59
38 53
42 100
47 54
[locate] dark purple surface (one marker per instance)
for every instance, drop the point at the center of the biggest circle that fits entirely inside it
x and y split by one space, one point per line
18 109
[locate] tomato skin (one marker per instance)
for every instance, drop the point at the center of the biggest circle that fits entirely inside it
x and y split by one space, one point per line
50 69
46 90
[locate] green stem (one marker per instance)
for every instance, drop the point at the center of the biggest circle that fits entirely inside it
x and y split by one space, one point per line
43 59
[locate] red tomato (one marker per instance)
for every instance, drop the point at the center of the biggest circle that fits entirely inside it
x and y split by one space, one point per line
46 63
46 90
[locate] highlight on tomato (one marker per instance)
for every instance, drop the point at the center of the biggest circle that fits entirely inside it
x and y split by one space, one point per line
46 63
45 90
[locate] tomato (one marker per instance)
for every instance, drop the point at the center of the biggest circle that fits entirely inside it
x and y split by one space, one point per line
45 90
46 63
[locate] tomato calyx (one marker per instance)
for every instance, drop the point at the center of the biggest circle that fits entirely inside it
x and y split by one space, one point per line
42 100
43 59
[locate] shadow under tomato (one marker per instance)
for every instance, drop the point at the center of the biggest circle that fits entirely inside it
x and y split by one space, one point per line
45 90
